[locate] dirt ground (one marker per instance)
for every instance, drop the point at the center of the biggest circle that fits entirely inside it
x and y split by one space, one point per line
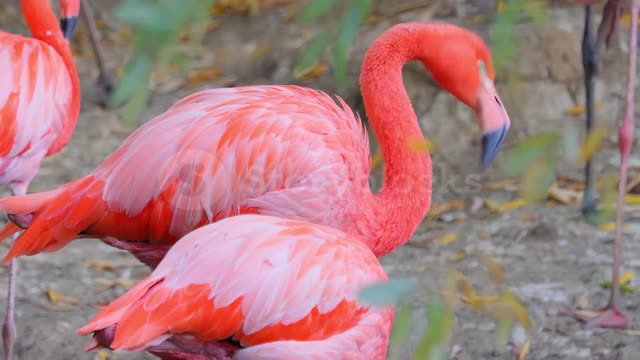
553 259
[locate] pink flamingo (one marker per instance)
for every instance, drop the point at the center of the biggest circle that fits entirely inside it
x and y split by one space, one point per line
285 151
609 316
293 295
39 107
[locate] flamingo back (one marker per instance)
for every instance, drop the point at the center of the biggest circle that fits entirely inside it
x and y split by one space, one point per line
34 100
295 290
275 150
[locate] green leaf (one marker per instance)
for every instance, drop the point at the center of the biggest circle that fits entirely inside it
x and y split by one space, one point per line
348 30
312 54
502 332
434 343
316 9
136 76
140 13
387 293
135 106
505 45
527 151
538 178
400 332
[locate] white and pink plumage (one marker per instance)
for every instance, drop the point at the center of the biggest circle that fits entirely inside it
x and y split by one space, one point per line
39 107
253 287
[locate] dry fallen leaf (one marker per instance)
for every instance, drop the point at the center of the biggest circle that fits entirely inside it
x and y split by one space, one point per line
562 195
632 199
260 51
505 184
496 271
612 226
582 302
442 208
102 355
459 256
478 18
54 297
125 284
202 75
102 265
447 239
630 332
592 143
512 205
524 351
59 308
581 109
528 217
376 160
373 19
310 73
422 145
625 278
516 307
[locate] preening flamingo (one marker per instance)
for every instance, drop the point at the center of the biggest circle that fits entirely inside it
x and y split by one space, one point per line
285 151
252 287
610 316
39 107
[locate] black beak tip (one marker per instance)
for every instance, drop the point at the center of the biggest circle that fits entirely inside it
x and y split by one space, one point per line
68 25
491 144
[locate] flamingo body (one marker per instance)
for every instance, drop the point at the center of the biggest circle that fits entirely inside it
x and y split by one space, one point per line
281 289
39 108
35 99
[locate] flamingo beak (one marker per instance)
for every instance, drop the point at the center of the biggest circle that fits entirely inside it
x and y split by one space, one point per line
492 117
491 144
67 25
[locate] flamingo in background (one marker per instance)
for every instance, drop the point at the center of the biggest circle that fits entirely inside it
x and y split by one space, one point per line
39 107
284 151
105 78
252 287
610 316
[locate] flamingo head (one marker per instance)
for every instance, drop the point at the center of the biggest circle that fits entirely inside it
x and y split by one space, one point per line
69 10
461 64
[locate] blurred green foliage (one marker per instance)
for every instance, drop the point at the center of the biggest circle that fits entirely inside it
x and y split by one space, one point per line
354 14
505 308
156 26
505 44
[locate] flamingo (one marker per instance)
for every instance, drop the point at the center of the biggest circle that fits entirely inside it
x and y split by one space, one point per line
284 151
253 287
610 315
39 107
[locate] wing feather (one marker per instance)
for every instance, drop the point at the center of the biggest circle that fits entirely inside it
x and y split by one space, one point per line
299 281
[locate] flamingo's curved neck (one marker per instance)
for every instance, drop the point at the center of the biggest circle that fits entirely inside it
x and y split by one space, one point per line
405 197
44 26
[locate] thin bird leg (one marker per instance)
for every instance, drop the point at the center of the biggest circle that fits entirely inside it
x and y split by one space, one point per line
9 332
590 66
611 316
105 79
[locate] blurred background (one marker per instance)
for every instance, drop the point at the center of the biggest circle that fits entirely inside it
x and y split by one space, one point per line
514 227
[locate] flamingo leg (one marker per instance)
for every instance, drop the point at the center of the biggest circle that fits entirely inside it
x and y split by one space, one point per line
590 66
611 316
9 331
105 79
